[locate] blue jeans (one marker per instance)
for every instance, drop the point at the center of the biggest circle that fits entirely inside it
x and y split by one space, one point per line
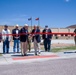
16 45
47 43
6 46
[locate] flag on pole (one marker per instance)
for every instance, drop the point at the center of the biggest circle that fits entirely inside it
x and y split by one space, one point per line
37 19
29 19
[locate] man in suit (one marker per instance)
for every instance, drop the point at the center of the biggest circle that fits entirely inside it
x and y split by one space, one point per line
36 39
75 36
47 38
16 38
24 39
0 36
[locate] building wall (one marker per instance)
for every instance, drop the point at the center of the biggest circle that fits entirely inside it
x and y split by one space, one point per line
57 30
64 30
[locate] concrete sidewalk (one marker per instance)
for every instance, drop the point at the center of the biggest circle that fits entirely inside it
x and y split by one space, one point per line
12 58
17 58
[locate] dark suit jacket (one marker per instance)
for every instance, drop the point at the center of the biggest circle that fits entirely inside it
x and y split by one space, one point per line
49 36
37 36
75 33
14 32
0 36
23 35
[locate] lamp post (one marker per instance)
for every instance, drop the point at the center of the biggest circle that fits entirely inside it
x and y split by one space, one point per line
30 19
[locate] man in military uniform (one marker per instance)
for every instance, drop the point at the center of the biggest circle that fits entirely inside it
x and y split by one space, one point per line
75 36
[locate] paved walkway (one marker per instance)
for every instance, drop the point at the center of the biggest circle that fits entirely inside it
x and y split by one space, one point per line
17 58
50 67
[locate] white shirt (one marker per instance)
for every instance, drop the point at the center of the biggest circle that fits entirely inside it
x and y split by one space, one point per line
46 32
16 31
4 34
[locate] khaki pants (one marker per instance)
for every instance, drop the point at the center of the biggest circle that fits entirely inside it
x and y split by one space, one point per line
36 46
24 47
29 45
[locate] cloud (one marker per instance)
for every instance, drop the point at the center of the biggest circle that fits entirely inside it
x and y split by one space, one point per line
18 19
14 19
67 0
24 15
4 22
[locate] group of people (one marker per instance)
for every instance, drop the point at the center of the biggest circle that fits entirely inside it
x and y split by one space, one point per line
22 36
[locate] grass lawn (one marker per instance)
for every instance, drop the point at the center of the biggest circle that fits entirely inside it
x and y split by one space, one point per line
0 54
61 48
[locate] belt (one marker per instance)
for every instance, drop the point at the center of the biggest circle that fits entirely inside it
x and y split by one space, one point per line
16 37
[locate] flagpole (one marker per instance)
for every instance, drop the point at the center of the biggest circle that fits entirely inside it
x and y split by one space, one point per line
31 23
37 19
30 19
39 22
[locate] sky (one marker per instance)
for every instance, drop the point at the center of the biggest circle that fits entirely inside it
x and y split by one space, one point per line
54 13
